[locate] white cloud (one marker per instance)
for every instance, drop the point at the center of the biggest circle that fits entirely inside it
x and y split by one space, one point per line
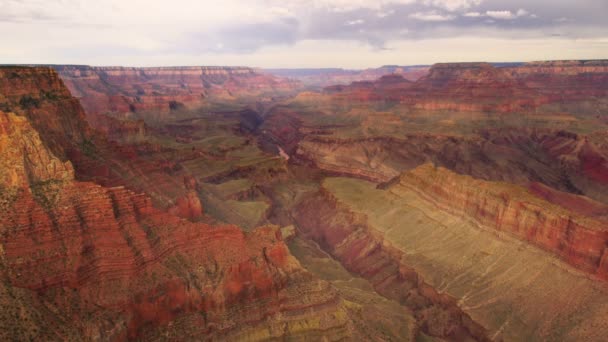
355 22
503 15
453 5
385 13
148 32
345 5
506 15
431 16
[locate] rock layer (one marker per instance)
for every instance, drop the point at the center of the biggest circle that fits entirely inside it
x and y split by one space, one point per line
346 236
157 91
579 240
82 261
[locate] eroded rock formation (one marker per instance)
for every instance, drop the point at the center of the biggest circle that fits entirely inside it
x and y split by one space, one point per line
578 239
158 91
83 261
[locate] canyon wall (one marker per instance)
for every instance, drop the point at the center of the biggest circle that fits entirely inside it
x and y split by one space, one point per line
157 91
578 239
483 87
347 237
515 289
329 77
82 261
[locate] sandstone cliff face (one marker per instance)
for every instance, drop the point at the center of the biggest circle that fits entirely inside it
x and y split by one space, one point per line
189 206
40 94
476 87
116 268
25 159
579 240
564 81
331 77
82 261
346 236
482 87
125 91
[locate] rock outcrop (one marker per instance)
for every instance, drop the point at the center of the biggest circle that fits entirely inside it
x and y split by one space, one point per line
346 236
189 206
577 239
40 94
483 87
119 268
157 91
331 77
82 261
565 80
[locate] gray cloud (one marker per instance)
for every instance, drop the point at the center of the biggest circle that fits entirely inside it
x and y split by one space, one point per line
155 28
378 25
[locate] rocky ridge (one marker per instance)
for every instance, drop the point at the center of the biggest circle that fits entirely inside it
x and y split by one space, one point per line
577 239
79 260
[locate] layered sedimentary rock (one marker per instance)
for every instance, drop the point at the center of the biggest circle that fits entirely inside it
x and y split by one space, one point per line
381 158
40 94
483 87
565 80
189 206
114 267
331 77
158 91
471 87
347 237
392 87
83 261
578 239
514 289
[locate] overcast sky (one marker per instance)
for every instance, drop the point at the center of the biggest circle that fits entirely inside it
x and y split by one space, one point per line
300 33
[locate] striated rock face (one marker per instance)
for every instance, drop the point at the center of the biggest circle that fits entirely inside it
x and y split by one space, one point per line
482 87
124 131
331 77
515 290
579 240
81 261
125 91
25 160
40 94
470 87
346 236
392 87
116 268
189 206
565 80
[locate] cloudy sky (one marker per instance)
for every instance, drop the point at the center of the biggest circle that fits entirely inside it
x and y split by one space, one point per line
300 33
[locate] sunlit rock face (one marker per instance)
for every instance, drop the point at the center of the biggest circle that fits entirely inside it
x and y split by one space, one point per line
156 92
468 202
113 266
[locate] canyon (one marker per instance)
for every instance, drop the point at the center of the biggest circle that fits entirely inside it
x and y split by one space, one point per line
454 202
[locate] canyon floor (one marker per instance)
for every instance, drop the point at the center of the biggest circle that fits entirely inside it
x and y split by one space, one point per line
457 202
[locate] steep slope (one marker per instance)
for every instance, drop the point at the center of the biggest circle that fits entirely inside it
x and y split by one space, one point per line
565 80
577 239
346 237
319 78
475 87
158 91
114 266
40 94
515 290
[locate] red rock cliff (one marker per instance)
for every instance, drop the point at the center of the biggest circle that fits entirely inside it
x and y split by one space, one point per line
579 240
124 90
80 261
